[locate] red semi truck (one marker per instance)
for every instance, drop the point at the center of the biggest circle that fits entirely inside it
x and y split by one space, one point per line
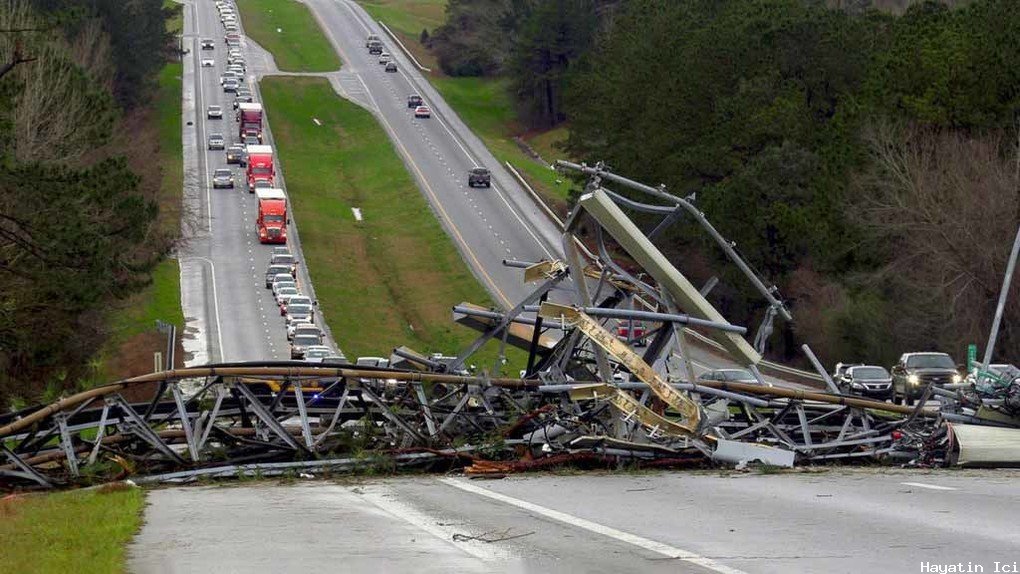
260 165
249 120
271 224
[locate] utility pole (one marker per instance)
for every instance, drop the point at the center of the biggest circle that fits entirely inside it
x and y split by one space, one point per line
1010 267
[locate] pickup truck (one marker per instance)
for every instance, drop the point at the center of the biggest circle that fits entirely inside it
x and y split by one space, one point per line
915 371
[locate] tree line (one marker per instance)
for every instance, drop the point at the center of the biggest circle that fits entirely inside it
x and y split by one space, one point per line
76 229
865 161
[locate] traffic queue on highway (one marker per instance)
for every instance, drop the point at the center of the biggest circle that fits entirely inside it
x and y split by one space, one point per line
248 150
909 379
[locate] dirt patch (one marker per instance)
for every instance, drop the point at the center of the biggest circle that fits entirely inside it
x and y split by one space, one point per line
7 503
135 358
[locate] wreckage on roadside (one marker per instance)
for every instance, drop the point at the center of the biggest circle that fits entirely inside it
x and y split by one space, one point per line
586 396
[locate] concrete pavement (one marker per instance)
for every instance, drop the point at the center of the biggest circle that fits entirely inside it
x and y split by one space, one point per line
857 520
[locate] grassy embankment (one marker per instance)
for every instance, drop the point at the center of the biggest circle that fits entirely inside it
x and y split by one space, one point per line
288 30
390 279
76 531
483 103
407 18
134 319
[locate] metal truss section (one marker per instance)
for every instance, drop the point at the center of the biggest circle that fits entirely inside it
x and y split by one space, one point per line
586 395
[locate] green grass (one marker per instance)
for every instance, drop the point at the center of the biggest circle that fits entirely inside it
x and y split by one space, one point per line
391 279
407 18
167 102
76 531
299 45
547 143
159 300
175 23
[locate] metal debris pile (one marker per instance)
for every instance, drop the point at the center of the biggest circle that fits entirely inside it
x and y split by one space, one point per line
587 396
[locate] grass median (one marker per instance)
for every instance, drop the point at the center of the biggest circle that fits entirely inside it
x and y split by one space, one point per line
391 278
288 30
75 531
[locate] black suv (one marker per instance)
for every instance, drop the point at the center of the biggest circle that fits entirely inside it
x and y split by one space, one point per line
479 176
915 371
414 100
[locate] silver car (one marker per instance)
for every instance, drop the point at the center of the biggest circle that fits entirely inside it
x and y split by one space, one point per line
298 300
317 354
223 178
284 293
300 314
214 112
298 329
283 280
273 270
731 376
285 259
301 343
216 141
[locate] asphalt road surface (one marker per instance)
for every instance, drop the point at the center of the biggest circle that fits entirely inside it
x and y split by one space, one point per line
857 520
231 316
487 225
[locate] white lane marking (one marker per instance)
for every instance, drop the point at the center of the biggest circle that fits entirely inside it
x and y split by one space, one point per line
495 188
928 486
570 520
385 501
203 144
381 117
216 302
456 141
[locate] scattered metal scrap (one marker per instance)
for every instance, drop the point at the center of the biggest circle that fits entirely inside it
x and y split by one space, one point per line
585 397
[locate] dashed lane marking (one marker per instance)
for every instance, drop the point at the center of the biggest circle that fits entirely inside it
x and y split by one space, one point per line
928 486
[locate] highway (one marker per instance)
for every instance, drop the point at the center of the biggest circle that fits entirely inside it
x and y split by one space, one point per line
486 224
699 522
856 520
230 315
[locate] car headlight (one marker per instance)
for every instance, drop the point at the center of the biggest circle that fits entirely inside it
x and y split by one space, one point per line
957 378
913 379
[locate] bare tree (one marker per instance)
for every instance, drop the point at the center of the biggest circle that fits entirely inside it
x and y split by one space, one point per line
946 205
61 108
